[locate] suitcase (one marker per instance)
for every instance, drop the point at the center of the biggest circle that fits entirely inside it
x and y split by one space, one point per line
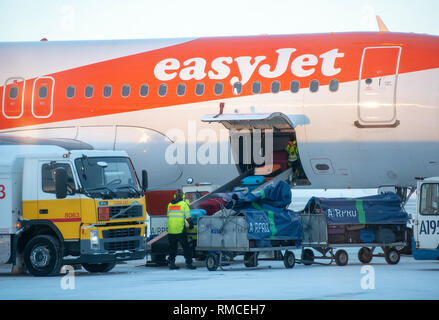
336 229
252 182
367 236
385 235
281 158
196 213
212 206
353 236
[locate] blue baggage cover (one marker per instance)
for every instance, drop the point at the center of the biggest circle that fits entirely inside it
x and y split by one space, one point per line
266 212
377 209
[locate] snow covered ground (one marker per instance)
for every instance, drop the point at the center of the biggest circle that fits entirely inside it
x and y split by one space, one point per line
410 279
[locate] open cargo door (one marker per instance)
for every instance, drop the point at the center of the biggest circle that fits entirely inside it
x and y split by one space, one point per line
273 130
276 121
257 139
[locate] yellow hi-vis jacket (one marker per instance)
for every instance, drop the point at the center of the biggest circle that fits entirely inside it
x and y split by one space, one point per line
292 152
177 215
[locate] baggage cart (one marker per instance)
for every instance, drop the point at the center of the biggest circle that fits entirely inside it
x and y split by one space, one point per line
327 238
221 236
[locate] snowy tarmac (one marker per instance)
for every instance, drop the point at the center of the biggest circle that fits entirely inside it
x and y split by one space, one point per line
410 279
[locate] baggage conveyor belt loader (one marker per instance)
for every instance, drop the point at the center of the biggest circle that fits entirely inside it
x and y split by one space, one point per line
63 203
253 175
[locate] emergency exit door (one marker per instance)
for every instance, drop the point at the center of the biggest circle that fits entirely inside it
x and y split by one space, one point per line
377 87
13 98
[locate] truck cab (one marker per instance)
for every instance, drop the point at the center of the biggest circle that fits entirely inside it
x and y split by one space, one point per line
68 204
426 226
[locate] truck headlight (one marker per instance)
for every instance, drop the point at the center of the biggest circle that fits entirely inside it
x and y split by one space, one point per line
94 239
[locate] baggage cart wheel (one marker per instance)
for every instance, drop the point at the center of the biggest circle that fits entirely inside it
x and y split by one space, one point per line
392 256
307 257
341 257
251 259
212 262
365 255
289 259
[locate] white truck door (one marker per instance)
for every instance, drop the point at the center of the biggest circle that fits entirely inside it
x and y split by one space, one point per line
427 220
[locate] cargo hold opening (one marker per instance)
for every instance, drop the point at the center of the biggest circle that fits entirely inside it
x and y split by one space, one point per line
253 137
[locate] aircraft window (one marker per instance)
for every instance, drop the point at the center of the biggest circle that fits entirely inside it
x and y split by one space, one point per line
126 89
42 92
199 89
70 92
13 92
314 85
163 90
368 81
237 88
181 89
144 89
88 92
106 92
295 86
256 87
218 89
275 86
333 85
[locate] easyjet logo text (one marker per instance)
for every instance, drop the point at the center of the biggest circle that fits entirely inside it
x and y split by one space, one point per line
220 68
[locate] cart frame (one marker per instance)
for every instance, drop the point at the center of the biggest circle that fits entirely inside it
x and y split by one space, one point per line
222 235
315 235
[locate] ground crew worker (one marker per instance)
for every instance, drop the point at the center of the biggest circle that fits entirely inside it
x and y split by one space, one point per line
179 217
293 155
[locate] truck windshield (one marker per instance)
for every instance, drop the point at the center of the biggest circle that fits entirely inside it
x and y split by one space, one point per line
107 177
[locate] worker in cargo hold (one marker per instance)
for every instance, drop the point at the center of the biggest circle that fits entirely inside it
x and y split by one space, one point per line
179 218
293 155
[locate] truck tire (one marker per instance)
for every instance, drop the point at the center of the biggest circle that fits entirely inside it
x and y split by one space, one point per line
43 256
98 267
159 259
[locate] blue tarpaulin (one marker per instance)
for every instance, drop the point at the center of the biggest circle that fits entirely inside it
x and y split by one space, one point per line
377 209
266 212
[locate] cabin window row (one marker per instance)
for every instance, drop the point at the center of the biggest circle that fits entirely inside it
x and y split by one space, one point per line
218 89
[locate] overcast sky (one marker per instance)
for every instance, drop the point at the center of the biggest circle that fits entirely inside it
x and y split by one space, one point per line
31 20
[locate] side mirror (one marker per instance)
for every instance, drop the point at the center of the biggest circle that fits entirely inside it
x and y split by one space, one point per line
60 183
144 180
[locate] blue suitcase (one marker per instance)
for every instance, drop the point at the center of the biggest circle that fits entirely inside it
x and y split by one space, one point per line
252 182
196 213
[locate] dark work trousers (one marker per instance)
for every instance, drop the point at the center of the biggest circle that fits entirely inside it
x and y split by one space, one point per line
174 239
294 165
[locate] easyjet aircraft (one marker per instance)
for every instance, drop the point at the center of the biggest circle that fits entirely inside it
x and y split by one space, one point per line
364 107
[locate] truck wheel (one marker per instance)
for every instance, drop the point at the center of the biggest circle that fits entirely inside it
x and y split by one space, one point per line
392 256
43 256
341 258
251 259
289 259
307 257
98 267
365 255
159 259
212 262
